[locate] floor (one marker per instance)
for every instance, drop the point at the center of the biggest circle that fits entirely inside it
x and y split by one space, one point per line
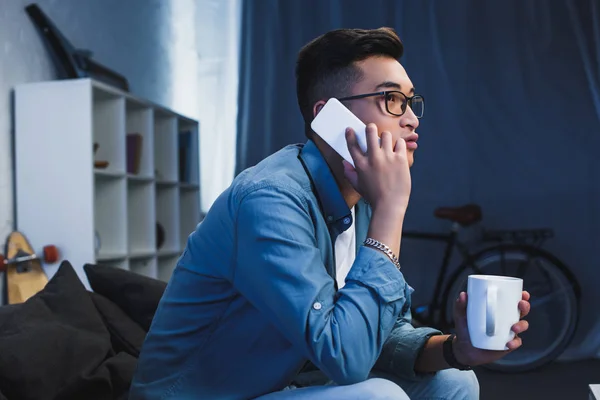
563 380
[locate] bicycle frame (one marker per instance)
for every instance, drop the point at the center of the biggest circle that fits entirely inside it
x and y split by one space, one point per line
494 243
451 242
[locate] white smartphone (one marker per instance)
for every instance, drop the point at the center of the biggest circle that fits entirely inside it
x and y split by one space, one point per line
331 123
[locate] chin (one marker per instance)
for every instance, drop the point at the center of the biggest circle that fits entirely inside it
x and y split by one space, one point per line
411 158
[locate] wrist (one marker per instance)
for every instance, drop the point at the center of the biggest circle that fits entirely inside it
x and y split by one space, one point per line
392 209
374 243
457 351
386 226
453 354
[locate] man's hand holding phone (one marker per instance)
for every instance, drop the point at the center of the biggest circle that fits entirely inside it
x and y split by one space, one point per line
382 177
382 174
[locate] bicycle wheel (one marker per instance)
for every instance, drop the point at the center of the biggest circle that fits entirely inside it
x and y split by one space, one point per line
554 301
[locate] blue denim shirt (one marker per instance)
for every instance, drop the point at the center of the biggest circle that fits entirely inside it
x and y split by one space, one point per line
253 297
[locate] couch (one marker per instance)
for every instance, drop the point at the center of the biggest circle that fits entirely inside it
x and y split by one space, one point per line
70 343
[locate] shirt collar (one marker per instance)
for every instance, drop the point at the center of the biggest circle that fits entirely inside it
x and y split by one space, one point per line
333 205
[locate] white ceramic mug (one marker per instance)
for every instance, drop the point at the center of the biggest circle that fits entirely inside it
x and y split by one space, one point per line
492 310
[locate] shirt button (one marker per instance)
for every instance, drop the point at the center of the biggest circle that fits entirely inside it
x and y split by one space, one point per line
347 221
329 218
317 306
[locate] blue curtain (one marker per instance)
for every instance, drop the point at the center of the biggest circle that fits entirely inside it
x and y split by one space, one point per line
511 121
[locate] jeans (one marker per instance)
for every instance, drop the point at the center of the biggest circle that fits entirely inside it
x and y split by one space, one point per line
450 384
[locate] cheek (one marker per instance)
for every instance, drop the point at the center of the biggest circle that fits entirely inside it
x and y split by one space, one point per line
370 113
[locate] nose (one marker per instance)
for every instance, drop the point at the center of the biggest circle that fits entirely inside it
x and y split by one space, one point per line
409 119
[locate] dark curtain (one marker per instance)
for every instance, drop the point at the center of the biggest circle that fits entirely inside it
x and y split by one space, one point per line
511 120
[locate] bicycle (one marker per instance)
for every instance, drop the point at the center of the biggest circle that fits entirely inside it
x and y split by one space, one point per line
555 293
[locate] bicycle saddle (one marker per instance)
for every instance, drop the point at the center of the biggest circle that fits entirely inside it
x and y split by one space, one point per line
465 215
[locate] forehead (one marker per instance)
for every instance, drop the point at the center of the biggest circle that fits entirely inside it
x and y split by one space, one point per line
377 70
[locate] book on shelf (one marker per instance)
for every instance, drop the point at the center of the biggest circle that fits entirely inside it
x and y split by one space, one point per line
134 152
185 156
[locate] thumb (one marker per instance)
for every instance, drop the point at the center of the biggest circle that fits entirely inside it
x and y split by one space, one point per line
460 306
460 315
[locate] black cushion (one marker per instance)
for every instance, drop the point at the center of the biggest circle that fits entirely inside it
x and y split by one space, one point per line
56 346
136 294
125 334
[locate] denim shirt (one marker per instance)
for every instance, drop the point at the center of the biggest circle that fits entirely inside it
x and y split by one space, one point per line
253 298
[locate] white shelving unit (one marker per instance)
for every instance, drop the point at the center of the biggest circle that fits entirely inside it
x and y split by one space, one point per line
62 199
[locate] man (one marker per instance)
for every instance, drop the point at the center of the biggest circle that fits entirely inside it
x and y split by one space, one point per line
296 262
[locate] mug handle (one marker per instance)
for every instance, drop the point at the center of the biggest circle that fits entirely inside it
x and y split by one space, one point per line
490 310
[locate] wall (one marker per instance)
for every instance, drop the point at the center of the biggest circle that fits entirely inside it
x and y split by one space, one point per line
164 50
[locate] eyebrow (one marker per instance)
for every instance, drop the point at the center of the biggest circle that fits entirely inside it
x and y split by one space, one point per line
390 84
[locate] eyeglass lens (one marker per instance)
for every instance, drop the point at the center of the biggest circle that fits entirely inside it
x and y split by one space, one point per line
396 103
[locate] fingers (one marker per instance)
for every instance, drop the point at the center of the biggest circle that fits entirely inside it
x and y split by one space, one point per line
514 344
526 295
524 307
372 136
517 328
350 174
520 327
386 141
353 146
400 146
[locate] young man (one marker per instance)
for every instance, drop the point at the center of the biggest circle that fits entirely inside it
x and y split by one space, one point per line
296 262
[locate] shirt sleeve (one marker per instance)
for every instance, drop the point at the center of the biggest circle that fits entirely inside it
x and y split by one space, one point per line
279 269
404 345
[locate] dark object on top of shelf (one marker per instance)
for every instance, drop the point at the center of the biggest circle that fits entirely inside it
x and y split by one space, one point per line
74 63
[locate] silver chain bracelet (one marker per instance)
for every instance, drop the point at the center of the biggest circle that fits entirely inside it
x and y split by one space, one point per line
386 250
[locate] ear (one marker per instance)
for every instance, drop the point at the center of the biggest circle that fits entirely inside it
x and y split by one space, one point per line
318 106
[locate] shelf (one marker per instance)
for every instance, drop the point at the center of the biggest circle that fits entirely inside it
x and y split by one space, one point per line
164 183
141 218
122 203
110 215
122 263
189 186
144 266
190 213
104 174
169 253
104 256
140 255
108 130
165 267
167 215
165 147
140 178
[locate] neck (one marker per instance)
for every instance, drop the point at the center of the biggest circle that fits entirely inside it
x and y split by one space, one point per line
334 160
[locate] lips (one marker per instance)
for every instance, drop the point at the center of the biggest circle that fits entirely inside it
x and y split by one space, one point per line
411 141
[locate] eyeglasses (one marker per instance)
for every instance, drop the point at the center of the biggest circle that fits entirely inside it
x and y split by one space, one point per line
396 102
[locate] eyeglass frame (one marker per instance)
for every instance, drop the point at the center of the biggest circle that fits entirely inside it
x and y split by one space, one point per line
385 93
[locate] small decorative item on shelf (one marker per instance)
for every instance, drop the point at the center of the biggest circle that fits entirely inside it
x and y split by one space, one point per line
160 236
134 152
99 164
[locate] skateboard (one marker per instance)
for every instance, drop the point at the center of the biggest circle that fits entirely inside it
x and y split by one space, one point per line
25 275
